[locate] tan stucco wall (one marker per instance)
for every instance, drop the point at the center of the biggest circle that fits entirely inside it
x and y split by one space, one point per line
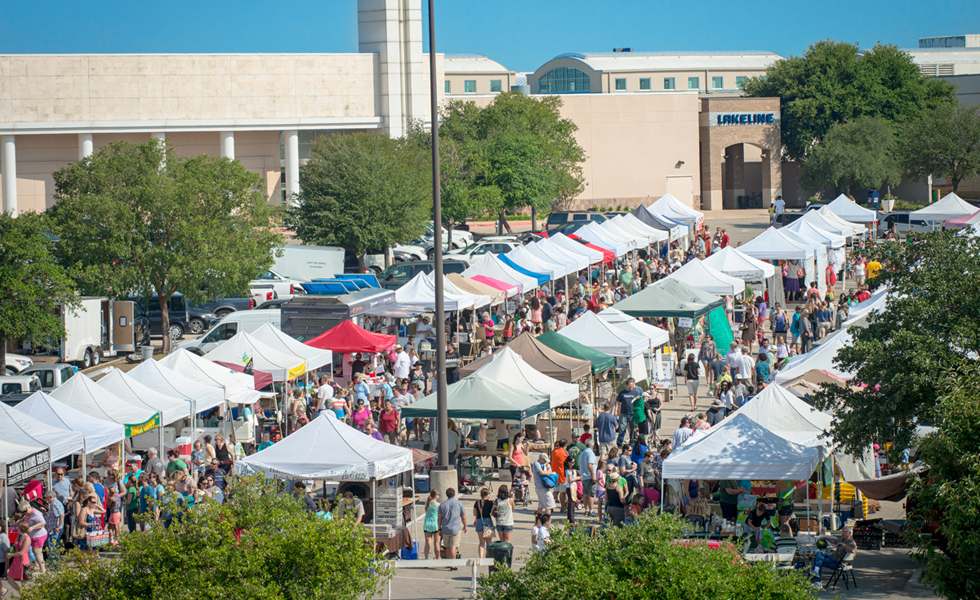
135 87
457 82
680 79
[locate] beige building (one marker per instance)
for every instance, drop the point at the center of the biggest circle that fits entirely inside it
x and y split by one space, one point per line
474 74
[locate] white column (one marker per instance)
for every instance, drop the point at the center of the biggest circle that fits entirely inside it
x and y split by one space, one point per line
85 145
8 173
228 144
292 164
158 135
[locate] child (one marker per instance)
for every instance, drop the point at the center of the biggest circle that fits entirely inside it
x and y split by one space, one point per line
520 486
540 536
197 458
638 505
113 508
571 477
600 485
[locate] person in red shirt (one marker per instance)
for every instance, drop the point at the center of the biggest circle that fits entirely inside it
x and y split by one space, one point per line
724 238
707 244
558 456
388 423
863 294
587 435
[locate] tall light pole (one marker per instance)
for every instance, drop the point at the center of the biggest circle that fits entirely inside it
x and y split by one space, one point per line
444 475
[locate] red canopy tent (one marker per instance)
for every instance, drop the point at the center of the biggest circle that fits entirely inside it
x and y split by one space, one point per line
262 379
348 338
608 256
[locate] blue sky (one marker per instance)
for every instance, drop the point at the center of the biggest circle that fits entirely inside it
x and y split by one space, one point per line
521 34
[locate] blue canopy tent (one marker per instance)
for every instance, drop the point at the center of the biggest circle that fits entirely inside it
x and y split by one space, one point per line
542 278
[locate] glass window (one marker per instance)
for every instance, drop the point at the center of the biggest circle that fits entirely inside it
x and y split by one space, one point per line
693 83
469 86
494 85
621 84
48 378
580 217
740 82
447 87
717 83
564 80
645 83
669 83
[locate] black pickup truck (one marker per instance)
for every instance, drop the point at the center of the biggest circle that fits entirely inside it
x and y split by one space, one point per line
225 306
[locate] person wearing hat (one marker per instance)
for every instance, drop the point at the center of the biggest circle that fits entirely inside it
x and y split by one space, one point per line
403 362
724 239
616 497
716 412
540 467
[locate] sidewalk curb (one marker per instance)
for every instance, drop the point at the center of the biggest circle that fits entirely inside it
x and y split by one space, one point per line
915 586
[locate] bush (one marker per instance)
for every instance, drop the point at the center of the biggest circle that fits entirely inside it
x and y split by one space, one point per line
907 205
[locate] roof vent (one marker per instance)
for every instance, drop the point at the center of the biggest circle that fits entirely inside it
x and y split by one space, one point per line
622 49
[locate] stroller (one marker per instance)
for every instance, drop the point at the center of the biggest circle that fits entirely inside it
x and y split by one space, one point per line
521 490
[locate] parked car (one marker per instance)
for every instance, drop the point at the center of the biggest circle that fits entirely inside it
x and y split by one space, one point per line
374 262
183 318
228 326
529 237
51 376
494 244
396 276
904 223
276 304
16 363
281 286
785 218
400 256
558 218
19 384
224 306
567 228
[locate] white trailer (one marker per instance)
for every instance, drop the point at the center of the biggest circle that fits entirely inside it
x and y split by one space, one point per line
96 329
306 263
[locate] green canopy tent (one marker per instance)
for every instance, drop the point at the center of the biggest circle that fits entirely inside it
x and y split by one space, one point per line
561 344
669 298
476 397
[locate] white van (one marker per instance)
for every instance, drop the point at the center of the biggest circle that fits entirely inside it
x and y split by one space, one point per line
227 326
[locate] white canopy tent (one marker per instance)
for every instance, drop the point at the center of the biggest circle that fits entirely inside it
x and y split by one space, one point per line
200 396
12 453
238 387
657 336
594 234
451 288
570 245
536 264
419 294
847 209
547 249
875 304
20 428
129 389
327 449
858 230
742 449
834 244
672 208
675 231
697 274
771 244
951 207
783 413
509 368
272 336
629 222
820 358
607 338
731 261
614 232
490 266
96 433
86 396
820 221
242 348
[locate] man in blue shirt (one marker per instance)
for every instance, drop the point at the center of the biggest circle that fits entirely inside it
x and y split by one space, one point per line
587 463
625 402
61 485
216 473
605 430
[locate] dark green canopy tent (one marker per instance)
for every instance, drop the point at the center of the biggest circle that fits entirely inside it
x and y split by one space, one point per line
669 298
559 343
476 397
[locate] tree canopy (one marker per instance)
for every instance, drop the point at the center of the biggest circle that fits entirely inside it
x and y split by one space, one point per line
944 141
858 153
32 282
259 544
363 191
136 218
835 82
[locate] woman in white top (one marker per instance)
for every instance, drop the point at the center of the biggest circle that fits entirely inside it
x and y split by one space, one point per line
540 536
423 329
504 512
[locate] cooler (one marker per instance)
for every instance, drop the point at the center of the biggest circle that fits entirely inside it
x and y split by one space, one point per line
184 446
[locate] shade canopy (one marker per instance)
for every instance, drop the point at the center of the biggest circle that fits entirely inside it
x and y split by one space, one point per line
237 386
697 274
471 286
479 397
675 230
847 209
84 395
449 287
570 245
633 224
608 255
599 361
491 266
508 289
731 262
123 386
347 338
420 293
540 357
540 278
656 336
819 219
669 298
21 428
594 234
260 379
200 396
773 244
242 348
96 433
327 449
806 229
819 357
962 222
672 208
949 208
272 336
857 228
614 232
605 337
779 411
742 449
875 304
522 256
508 367
548 250
12 452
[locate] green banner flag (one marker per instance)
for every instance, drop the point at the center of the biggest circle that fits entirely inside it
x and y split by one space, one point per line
137 429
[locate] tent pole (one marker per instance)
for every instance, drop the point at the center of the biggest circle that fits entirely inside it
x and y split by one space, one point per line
374 515
414 520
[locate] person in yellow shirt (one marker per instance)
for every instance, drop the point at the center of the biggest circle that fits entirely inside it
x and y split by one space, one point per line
873 268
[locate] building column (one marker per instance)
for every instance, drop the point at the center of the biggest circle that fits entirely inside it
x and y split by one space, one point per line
85 146
292 165
772 177
228 144
8 173
712 162
159 136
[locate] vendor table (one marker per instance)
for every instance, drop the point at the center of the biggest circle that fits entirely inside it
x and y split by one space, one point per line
775 557
471 452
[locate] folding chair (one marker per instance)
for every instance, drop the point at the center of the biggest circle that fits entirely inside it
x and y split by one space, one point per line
844 567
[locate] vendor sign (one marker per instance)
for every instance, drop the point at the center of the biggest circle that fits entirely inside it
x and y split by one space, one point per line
28 467
137 429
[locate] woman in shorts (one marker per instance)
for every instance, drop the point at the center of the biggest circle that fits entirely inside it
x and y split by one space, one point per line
504 511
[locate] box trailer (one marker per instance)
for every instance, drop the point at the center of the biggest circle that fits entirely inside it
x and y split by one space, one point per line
306 263
98 328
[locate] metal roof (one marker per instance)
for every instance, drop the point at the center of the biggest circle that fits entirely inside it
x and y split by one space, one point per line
661 61
931 56
472 63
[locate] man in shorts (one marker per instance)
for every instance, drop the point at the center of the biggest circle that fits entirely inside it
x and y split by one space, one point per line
587 463
452 515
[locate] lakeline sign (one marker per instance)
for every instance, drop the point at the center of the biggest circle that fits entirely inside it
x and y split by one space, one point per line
729 119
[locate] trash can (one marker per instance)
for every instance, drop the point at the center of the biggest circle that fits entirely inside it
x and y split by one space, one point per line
503 554
148 352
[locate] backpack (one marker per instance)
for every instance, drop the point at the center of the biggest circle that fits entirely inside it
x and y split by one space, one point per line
549 481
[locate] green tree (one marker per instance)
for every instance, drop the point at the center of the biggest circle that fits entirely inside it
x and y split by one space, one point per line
259 545
363 191
929 329
835 82
640 562
947 495
32 283
139 219
856 154
944 141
